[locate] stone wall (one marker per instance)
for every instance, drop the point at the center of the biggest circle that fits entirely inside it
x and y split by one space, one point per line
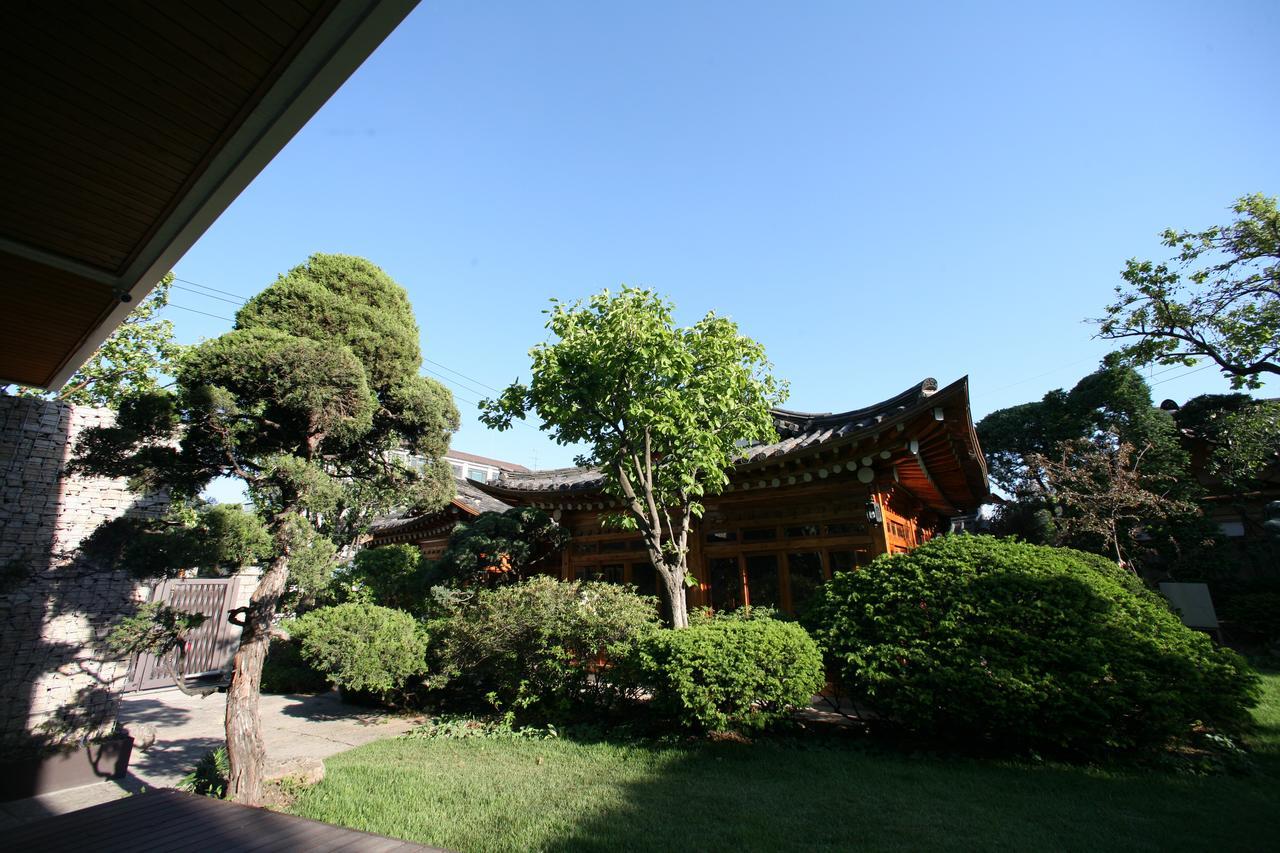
56 678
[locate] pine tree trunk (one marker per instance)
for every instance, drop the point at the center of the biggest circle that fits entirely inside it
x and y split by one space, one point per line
246 752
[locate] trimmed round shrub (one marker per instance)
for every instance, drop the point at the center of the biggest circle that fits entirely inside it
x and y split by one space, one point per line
995 644
535 646
730 674
362 647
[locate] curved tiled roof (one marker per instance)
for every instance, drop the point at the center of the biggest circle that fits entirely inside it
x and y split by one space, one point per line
468 498
796 431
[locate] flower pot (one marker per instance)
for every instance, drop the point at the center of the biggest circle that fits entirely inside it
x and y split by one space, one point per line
66 768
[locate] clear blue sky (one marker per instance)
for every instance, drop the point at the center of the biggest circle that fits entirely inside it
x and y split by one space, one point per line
877 192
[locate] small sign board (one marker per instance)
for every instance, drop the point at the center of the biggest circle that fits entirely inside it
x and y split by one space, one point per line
1192 602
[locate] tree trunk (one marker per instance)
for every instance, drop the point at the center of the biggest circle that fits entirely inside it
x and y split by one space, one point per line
674 589
246 753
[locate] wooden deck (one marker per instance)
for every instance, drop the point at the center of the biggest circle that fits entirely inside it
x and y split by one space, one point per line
175 822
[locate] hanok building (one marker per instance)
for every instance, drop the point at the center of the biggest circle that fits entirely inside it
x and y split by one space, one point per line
832 493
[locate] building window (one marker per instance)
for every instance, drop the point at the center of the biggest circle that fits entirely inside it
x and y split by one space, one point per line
477 474
457 469
759 534
805 574
762 580
726 583
645 578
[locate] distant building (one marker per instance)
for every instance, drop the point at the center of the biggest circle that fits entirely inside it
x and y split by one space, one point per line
482 469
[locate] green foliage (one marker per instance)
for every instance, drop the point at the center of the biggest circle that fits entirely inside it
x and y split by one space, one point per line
730 674
1217 298
212 538
155 628
1098 468
391 575
209 778
305 400
531 646
499 545
129 362
286 671
662 410
363 647
994 644
1243 435
1110 402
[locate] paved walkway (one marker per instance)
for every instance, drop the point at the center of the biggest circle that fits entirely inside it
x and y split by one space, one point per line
188 726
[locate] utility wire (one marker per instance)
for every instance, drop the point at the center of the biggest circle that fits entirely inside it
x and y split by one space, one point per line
208 295
1182 375
463 375
194 311
214 289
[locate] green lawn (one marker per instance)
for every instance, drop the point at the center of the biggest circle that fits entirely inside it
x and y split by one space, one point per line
471 795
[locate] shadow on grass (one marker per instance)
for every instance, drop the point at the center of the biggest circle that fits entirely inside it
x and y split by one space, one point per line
783 796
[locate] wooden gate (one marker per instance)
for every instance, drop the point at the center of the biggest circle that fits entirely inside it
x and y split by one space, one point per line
210 647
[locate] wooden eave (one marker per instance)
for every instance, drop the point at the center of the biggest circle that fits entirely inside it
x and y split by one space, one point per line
129 128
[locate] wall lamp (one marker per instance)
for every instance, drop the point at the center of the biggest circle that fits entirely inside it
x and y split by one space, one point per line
873 512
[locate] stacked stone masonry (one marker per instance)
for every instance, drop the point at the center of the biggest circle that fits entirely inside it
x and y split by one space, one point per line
56 677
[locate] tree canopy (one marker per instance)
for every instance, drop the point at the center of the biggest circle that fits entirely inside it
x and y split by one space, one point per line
131 361
663 410
307 400
1098 467
1218 297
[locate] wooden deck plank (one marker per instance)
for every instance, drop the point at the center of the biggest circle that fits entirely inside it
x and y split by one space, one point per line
172 822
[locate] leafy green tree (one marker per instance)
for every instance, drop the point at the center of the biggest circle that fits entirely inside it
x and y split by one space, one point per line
1112 401
1098 467
501 545
1217 298
664 411
1243 435
306 400
131 361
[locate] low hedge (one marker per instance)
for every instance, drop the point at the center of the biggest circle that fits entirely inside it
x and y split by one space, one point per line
729 674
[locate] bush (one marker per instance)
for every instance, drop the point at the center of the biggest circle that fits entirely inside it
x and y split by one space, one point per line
209 778
730 674
363 647
531 647
1003 645
389 576
285 670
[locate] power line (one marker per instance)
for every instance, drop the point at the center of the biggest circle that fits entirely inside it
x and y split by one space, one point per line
1182 375
205 313
1042 375
463 375
208 295
214 289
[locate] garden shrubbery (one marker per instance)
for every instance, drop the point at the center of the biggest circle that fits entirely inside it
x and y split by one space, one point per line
735 673
1020 647
532 647
285 670
363 648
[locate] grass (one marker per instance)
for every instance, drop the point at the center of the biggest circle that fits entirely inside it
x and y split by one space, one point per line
491 795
